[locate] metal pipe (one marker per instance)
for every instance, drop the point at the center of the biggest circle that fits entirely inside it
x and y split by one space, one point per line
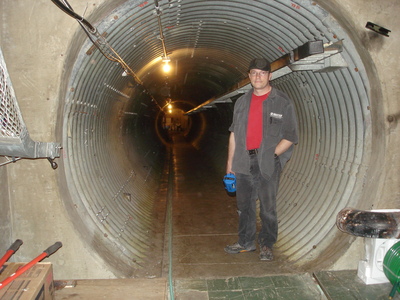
384 224
158 13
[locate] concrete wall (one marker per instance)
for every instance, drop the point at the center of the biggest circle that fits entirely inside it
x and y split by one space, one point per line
34 39
383 52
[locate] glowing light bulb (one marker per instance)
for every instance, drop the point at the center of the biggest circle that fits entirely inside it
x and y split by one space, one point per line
166 67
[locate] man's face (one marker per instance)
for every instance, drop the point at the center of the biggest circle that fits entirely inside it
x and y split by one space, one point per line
259 79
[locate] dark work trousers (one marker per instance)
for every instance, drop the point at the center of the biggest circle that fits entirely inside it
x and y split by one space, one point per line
249 188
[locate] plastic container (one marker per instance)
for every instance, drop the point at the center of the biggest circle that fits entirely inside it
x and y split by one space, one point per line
370 269
230 183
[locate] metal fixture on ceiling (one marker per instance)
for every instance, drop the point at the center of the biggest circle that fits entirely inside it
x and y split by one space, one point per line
165 58
97 39
100 42
312 56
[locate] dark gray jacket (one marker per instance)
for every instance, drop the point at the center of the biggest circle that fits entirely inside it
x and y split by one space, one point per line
279 122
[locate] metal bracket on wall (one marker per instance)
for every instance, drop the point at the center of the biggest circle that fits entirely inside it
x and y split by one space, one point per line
15 142
378 29
312 56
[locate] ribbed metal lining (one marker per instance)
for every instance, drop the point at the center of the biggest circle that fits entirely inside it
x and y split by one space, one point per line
98 175
325 172
328 166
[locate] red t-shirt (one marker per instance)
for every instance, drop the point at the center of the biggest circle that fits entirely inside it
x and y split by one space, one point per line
255 122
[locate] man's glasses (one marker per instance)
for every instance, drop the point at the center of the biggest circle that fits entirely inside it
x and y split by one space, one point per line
261 73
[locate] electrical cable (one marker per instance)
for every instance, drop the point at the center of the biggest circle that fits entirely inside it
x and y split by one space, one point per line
100 42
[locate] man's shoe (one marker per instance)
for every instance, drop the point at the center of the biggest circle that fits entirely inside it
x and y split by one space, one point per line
266 253
237 248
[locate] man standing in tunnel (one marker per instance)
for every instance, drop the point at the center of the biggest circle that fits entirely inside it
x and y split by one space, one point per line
263 134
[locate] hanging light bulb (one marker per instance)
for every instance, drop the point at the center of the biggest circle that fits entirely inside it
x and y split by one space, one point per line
166 60
166 67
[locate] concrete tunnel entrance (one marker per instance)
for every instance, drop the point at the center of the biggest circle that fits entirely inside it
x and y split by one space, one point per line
112 128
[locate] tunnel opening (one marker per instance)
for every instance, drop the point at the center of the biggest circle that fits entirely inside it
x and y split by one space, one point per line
113 129
172 118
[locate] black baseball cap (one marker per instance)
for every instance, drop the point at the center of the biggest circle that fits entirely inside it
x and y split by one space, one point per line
261 64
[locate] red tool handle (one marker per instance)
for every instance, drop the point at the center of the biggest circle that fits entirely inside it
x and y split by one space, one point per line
10 251
46 253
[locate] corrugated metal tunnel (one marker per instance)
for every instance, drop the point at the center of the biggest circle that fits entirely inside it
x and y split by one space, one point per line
112 127
104 201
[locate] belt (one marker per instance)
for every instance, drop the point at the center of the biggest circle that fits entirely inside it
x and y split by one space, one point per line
252 151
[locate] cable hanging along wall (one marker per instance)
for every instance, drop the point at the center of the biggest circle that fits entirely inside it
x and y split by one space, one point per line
99 41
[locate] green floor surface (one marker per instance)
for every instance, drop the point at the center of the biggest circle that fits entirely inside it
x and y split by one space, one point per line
324 285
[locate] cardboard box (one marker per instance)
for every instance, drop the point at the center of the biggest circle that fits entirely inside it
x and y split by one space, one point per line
35 284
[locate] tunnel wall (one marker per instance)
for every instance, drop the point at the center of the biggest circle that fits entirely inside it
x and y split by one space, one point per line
36 58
